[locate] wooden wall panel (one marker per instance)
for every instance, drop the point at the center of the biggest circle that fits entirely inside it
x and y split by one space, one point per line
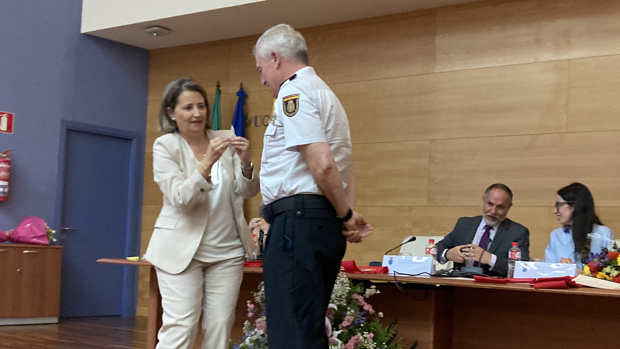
374 51
391 225
391 174
534 167
383 110
152 122
151 193
206 65
243 66
513 100
578 28
526 32
593 94
488 36
259 106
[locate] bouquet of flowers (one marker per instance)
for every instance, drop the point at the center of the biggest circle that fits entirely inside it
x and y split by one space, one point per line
604 265
32 230
350 321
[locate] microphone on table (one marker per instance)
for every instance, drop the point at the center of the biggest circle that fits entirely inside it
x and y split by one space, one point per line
378 264
411 239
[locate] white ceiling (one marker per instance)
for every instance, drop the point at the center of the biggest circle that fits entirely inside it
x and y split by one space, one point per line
101 17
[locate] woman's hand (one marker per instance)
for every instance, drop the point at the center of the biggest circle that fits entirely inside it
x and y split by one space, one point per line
217 147
565 260
241 146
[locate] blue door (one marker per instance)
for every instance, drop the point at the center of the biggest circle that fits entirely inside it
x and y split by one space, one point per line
96 220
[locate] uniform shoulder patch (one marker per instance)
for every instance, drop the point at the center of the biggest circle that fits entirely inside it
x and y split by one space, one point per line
290 105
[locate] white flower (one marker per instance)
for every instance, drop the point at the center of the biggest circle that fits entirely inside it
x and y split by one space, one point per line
341 289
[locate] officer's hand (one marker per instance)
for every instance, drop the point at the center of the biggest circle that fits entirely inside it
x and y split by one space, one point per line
358 223
352 236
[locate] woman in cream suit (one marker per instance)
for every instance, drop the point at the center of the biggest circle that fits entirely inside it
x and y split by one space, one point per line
201 238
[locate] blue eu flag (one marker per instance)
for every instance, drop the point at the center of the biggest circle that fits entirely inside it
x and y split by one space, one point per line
238 122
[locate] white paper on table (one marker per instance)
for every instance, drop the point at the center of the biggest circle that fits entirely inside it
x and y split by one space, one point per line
596 283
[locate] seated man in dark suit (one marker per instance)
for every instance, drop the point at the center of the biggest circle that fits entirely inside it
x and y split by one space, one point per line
486 238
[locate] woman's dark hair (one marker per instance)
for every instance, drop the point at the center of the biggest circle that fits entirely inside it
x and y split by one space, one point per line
170 99
584 216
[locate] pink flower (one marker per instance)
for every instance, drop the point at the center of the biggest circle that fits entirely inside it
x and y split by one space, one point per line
353 342
370 336
250 314
348 320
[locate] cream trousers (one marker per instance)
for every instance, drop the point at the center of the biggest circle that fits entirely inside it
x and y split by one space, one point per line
210 287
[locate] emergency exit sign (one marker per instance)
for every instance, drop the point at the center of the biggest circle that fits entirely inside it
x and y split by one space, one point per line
6 122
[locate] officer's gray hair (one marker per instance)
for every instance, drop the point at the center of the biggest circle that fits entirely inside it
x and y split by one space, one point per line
284 40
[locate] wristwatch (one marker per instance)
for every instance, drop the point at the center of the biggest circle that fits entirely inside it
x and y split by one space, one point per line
347 216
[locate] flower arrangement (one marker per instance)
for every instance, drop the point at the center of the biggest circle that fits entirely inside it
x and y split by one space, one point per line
350 321
32 230
604 265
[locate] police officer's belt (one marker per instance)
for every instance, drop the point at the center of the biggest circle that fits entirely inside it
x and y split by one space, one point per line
296 202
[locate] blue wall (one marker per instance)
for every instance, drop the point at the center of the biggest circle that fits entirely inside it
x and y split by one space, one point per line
50 72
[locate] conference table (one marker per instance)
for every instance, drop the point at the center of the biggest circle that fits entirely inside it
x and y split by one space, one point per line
441 313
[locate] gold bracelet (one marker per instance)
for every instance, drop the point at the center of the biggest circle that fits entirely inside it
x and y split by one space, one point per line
203 166
243 168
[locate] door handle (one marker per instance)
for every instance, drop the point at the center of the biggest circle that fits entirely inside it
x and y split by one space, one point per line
31 251
66 229
2 250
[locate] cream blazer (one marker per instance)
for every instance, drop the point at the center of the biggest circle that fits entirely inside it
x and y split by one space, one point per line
183 218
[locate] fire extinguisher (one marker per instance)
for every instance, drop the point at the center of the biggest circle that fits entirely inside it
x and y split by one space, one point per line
5 173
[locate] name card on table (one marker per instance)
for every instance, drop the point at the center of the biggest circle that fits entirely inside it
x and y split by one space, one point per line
528 270
411 265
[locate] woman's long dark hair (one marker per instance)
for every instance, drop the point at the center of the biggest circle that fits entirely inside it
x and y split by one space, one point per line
584 216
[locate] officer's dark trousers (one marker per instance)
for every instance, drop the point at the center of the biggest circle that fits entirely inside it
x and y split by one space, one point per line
302 259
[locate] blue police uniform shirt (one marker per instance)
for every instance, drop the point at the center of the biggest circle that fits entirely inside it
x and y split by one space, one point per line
561 244
306 111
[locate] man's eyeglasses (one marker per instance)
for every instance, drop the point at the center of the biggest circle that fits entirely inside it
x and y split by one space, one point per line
559 204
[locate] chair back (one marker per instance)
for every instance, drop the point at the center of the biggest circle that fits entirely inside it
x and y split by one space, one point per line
417 248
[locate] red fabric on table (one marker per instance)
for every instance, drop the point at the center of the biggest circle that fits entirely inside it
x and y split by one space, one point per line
520 280
374 270
563 282
351 267
489 280
253 264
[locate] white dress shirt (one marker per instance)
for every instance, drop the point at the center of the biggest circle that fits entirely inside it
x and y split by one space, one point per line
221 239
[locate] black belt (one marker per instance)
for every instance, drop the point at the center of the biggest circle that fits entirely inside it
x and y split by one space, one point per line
296 202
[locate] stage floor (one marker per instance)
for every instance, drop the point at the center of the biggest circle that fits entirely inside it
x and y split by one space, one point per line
78 333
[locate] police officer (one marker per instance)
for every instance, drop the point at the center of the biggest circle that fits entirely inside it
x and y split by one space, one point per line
308 192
